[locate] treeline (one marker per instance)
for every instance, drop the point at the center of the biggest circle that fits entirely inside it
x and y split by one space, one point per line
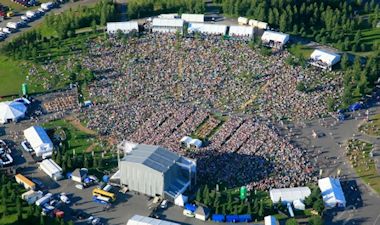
144 8
12 206
325 21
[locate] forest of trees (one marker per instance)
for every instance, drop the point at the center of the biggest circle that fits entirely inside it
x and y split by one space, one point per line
144 8
326 21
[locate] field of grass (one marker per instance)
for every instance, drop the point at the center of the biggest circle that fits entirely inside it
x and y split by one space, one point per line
17 7
11 76
365 167
372 127
301 50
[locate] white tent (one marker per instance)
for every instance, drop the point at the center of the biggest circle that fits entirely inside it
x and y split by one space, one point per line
200 18
196 143
241 31
169 16
204 28
11 111
167 25
39 140
186 140
144 220
124 27
288 195
332 192
298 204
274 39
270 220
180 200
324 59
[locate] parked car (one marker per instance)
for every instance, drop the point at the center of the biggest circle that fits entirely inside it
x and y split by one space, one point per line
164 204
93 220
63 197
26 146
79 186
80 214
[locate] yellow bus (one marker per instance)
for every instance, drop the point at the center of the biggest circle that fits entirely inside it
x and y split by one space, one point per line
99 192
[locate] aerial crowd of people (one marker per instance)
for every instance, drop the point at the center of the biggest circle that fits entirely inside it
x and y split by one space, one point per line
157 88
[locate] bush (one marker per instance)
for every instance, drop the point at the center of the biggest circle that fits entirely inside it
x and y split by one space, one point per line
315 220
291 221
301 87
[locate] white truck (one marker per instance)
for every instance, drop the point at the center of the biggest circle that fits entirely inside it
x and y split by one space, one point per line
47 6
30 14
44 199
12 25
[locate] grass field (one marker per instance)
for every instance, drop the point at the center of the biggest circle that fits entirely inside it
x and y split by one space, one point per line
11 76
365 167
301 50
372 127
17 7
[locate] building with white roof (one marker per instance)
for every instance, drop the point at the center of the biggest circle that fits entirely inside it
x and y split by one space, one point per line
332 192
167 25
198 18
274 39
288 195
11 112
324 59
52 169
204 28
39 140
185 141
144 220
196 143
124 27
241 31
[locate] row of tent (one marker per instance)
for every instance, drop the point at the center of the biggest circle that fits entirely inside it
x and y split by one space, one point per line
246 218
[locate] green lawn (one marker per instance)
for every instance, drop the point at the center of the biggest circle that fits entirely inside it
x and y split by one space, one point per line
372 127
19 8
300 50
365 167
11 76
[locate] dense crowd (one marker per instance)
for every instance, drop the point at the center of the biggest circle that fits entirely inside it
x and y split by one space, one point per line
157 88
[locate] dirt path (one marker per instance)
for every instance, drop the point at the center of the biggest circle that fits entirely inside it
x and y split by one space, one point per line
76 123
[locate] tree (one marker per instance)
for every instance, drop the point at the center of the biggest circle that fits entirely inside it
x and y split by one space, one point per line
198 197
261 210
301 86
291 221
331 104
344 62
319 206
315 220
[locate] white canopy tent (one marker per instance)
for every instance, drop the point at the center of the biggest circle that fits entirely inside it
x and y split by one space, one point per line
39 140
258 24
200 18
332 192
124 27
11 111
205 28
196 143
181 200
241 31
185 140
274 39
167 25
324 59
288 195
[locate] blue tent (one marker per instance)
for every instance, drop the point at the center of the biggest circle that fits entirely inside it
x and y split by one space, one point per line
190 207
232 218
355 106
105 178
245 218
217 218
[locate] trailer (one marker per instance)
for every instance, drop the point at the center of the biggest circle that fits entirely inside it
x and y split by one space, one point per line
28 184
31 196
243 21
101 200
12 25
44 199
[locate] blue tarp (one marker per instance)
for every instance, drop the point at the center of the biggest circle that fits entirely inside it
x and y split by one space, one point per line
232 218
355 106
106 178
190 207
217 218
245 218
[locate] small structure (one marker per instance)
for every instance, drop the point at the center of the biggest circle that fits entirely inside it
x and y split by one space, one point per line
198 18
195 143
202 213
167 25
51 169
241 31
39 140
79 175
270 220
11 111
169 16
288 195
185 141
181 200
124 27
298 204
144 220
28 184
324 59
332 192
258 24
204 28
242 20
274 39
31 196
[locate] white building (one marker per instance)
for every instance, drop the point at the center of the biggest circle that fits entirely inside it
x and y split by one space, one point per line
241 31
202 213
144 220
204 28
324 59
332 192
39 140
258 24
198 18
242 20
52 169
124 27
288 195
274 39
167 25
11 112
